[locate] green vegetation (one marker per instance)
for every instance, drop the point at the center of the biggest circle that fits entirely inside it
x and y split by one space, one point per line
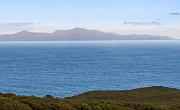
151 98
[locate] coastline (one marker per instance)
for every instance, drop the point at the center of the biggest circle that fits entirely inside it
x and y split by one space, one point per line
148 98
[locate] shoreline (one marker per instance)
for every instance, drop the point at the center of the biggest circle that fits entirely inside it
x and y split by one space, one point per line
147 98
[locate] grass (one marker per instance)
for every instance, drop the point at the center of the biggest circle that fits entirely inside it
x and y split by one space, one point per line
150 98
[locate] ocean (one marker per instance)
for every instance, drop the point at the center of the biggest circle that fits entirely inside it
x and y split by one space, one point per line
64 69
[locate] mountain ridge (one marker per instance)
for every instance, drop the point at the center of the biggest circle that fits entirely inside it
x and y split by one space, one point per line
76 34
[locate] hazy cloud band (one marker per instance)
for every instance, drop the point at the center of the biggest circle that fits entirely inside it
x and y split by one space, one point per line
142 23
176 13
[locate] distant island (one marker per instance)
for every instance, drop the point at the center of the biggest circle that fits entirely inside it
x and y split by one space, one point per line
150 98
76 34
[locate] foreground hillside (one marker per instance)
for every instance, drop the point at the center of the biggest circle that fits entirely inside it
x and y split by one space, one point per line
151 98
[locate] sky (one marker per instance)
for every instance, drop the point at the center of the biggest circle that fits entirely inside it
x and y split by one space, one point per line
156 17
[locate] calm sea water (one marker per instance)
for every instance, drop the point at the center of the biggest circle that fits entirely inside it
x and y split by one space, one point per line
69 68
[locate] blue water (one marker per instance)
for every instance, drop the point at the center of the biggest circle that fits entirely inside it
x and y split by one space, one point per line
68 68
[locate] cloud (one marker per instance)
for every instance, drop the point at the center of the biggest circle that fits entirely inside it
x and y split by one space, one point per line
16 24
142 23
175 13
13 27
